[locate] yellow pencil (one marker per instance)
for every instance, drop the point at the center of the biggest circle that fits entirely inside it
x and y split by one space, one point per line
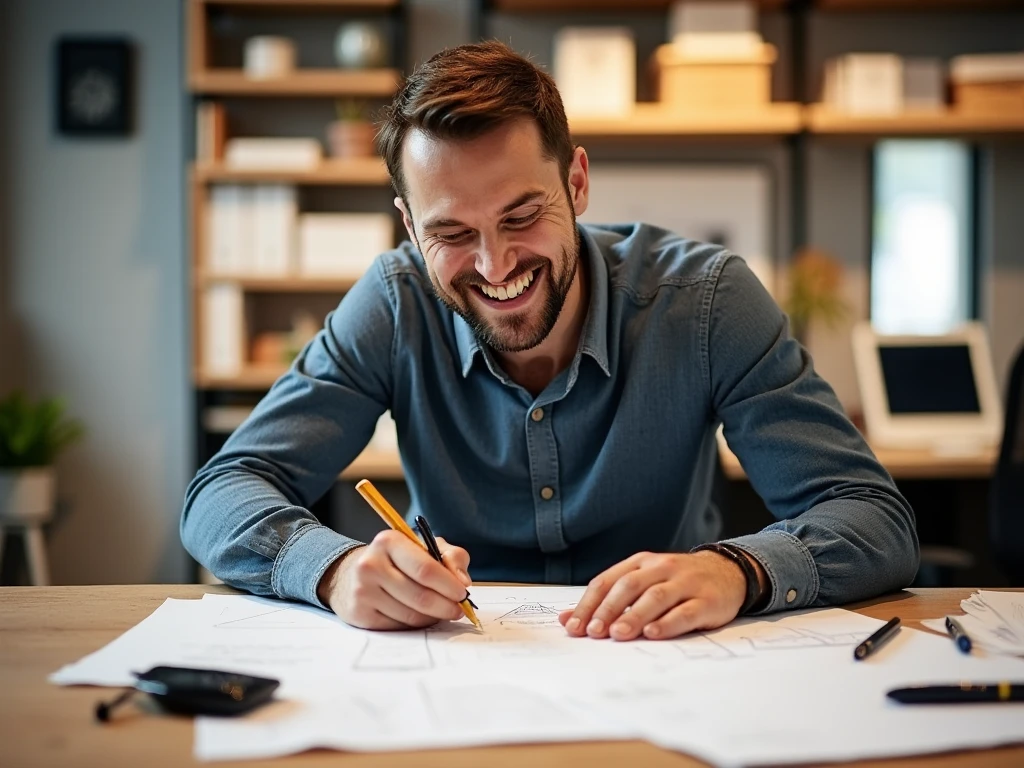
396 522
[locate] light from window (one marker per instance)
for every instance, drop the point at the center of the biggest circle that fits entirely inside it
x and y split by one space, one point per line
921 276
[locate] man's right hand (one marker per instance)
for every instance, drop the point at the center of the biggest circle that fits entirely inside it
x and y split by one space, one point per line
393 583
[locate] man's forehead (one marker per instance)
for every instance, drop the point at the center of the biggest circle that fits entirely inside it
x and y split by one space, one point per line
492 170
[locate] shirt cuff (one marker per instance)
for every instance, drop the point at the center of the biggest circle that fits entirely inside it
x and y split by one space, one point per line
303 559
789 566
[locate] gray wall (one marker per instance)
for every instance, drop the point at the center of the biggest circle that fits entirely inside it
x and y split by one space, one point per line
93 287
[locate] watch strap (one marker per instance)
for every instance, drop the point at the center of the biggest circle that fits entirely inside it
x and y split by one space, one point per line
737 556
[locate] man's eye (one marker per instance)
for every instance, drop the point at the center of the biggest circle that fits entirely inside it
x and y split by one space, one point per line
452 237
519 221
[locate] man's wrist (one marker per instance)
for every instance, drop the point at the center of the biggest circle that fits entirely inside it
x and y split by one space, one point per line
331 576
756 581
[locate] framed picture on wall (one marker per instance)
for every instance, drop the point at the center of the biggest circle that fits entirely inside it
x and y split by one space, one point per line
726 204
94 89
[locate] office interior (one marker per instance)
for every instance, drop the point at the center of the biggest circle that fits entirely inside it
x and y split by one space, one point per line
100 286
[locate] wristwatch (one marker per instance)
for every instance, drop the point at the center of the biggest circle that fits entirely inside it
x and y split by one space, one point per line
754 593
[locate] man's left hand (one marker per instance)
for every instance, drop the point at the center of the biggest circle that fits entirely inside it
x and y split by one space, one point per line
660 596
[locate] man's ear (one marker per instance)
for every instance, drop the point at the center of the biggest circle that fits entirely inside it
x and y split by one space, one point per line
406 218
579 181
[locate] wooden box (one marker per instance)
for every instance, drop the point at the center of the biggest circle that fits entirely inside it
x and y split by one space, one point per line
990 98
706 83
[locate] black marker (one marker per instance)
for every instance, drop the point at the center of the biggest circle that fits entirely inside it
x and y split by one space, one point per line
876 640
965 693
960 637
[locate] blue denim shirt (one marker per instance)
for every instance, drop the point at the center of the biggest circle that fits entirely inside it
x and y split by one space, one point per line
614 457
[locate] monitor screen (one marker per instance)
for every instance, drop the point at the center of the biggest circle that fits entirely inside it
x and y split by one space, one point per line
929 379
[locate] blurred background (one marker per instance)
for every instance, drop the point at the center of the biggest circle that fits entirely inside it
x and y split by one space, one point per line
189 186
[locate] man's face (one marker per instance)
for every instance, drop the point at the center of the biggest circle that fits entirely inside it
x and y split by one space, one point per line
495 223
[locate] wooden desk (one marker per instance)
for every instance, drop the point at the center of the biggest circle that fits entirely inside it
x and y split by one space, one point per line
903 464
41 724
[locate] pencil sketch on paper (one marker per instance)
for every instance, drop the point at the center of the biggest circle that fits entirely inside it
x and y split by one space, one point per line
279 618
393 652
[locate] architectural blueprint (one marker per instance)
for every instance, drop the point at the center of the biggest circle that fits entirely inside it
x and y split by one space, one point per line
780 689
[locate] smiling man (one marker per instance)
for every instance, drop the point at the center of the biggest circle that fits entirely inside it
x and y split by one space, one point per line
556 389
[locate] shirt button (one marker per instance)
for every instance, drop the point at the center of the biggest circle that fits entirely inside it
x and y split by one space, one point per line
538 414
547 492
791 596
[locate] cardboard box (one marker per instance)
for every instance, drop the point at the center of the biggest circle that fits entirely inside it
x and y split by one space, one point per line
706 82
1005 98
988 84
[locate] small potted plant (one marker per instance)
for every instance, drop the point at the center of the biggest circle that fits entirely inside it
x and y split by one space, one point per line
352 134
32 434
814 283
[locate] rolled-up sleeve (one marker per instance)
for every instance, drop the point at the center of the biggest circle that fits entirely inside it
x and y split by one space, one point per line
844 531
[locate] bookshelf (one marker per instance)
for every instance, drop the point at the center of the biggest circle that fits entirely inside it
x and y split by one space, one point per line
651 120
312 82
350 172
257 108
818 119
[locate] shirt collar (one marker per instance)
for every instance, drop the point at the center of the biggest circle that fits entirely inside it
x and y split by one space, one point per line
594 337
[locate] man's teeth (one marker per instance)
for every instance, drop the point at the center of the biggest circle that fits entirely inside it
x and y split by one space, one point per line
509 290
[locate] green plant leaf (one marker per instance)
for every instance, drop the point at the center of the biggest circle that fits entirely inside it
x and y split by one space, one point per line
33 434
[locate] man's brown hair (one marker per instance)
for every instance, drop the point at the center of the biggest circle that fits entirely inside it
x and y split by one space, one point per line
463 92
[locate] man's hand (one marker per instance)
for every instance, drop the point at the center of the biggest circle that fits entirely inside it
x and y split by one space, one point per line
666 595
393 583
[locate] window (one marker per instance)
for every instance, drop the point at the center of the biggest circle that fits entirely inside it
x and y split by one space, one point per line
921 249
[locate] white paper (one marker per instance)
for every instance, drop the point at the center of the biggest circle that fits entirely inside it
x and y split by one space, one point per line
784 689
993 620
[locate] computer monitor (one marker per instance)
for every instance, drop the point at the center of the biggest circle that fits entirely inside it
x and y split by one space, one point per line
936 392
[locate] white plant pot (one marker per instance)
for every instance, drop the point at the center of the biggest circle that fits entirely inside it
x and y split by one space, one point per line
27 495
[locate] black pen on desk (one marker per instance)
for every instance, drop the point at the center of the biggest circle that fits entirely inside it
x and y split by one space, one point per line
964 693
959 635
879 638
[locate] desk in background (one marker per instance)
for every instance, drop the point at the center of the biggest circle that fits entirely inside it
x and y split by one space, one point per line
42 628
949 494
903 464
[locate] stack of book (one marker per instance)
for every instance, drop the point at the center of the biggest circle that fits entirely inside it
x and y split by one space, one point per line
252 229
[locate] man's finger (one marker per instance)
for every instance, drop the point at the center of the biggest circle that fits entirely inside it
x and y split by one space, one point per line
595 593
656 601
623 593
455 559
417 565
413 595
401 615
685 617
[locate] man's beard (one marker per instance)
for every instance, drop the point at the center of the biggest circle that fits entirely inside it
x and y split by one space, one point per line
517 331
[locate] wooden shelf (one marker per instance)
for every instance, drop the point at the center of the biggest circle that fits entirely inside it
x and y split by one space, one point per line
303 82
821 120
591 6
369 171
289 284
303 5
915 5
779 119
253 377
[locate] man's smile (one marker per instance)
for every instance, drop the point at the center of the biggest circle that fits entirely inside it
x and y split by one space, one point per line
511 294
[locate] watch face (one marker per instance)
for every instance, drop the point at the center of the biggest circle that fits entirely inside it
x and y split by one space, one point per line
93 87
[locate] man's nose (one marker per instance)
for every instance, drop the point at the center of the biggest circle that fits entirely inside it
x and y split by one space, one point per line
495 260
